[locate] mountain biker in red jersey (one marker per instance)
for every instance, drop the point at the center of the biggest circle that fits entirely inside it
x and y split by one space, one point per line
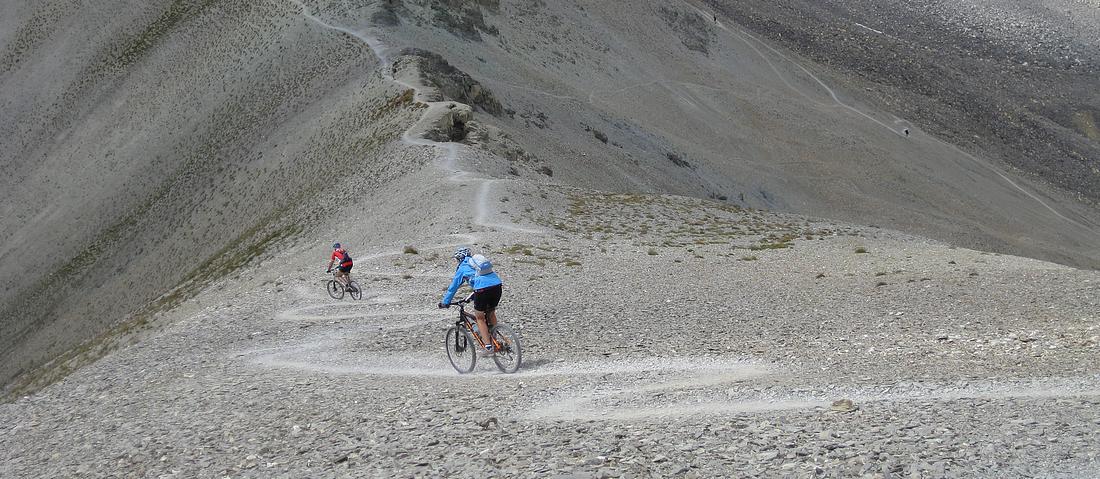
343 262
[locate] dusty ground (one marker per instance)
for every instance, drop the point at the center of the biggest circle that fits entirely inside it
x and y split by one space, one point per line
703 361
663 335
165 138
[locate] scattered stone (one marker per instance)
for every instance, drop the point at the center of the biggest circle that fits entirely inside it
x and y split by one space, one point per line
767 456
843 405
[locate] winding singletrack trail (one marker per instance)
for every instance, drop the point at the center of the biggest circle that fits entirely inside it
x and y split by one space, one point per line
450 151
325 352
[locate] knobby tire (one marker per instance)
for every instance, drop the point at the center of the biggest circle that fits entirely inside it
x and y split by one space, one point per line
510 356
335 289
461 350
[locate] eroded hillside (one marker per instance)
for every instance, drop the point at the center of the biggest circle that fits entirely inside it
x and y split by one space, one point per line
145 147
801 107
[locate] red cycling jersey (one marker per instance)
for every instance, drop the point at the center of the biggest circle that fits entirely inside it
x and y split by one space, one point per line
338 256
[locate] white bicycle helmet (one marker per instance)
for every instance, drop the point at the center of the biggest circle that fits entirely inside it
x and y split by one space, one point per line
461 254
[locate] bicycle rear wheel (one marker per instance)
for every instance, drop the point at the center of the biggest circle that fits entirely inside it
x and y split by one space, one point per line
461 350
356 291
335 289
510 355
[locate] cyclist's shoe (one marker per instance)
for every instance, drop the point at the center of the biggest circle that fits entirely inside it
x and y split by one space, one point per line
488 351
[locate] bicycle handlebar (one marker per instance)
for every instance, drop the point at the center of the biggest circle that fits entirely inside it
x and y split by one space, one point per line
464 301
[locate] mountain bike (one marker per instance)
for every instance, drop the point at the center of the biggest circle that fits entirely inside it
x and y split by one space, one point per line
462 342
336 289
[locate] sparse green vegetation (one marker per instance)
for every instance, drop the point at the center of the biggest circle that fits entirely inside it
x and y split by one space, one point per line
410 250
652 252
749 258
537 262
656 221
153 33
765 246
519 248
861 250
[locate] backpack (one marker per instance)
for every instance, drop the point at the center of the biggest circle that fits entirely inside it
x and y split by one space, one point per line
346 258
481 265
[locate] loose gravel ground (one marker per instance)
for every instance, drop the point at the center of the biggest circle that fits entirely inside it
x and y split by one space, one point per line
663 336
693 348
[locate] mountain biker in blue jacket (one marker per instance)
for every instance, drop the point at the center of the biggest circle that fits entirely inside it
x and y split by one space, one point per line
487 290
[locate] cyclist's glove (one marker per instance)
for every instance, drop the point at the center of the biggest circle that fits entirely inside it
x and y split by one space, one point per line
443 306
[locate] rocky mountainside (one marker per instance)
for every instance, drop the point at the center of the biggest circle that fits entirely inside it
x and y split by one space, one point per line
1013 81
148 148
687 201
800 107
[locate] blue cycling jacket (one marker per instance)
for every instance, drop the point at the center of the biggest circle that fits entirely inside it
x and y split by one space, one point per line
465 273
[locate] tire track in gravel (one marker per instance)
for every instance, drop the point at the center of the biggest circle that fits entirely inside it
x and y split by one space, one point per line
656 388
649 399
331 312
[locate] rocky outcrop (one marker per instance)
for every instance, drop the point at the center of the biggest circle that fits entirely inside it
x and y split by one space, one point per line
448 122
462 18
449 82
694 31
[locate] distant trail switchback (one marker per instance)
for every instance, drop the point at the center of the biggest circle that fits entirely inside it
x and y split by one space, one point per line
446 162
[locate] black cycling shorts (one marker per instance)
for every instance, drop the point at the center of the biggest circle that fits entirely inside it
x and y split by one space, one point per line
487 299
344 269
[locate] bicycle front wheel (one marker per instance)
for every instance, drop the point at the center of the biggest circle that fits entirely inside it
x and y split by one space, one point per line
461 350
356 291
335 289
510 355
